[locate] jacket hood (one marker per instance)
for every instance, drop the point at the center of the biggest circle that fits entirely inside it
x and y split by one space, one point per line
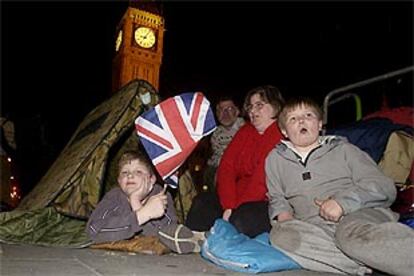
326 143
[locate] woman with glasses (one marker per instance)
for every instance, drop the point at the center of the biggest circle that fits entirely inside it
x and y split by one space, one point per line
241 182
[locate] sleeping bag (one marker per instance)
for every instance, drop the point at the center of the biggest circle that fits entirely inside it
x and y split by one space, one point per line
228 248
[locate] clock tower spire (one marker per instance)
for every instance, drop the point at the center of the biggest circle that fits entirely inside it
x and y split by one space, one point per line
138 44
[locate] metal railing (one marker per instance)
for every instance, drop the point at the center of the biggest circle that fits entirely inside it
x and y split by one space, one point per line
329 98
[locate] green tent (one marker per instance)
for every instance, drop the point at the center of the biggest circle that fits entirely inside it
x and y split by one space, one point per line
55 212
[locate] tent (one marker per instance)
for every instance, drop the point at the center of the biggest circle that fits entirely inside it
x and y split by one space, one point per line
55 211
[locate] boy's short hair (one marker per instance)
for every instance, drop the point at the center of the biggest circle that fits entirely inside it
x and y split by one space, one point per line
131 155
295 102
269 94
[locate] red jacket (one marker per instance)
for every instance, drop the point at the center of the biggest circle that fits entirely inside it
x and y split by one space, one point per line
241 173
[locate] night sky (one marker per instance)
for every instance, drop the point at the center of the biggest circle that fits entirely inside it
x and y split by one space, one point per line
56 57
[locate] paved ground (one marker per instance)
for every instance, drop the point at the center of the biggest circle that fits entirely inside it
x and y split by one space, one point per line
36 260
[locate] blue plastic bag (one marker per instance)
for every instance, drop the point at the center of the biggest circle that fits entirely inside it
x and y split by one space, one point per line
228 248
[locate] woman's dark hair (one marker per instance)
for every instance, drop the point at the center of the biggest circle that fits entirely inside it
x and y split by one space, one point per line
269 94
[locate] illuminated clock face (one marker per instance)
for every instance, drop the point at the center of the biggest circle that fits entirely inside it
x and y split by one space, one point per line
145 37
118 41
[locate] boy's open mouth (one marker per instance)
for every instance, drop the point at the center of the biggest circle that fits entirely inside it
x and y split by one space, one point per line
303 131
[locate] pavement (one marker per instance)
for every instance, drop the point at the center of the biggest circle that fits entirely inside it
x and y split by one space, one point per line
38 260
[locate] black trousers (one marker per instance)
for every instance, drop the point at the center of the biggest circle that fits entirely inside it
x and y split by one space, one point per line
250 218
204 210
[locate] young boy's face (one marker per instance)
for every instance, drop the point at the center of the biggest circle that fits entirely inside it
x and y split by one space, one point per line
302 128
135 175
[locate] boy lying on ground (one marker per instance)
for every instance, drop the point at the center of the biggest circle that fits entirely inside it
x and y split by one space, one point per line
139 206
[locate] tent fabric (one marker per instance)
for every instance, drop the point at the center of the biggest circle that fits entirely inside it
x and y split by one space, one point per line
72 184
54 213
185 194
43 226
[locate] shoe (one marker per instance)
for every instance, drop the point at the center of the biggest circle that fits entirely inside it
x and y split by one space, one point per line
181 239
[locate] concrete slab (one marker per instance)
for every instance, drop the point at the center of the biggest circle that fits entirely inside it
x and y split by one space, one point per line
18 260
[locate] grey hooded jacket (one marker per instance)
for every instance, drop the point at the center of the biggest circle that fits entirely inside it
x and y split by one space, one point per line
335 169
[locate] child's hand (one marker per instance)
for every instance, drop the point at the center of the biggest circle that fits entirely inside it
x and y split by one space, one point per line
154 207
138 195
227 214
329 209
284 216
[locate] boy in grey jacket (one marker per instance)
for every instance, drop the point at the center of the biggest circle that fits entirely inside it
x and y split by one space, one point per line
329 202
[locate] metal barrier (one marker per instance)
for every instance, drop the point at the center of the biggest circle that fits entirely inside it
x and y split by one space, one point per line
328 100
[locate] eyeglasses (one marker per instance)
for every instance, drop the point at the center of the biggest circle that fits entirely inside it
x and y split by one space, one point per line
136 173
256 106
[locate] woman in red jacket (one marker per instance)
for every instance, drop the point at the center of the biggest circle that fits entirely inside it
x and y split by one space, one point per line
241 181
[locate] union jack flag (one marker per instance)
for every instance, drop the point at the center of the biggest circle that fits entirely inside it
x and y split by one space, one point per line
171 130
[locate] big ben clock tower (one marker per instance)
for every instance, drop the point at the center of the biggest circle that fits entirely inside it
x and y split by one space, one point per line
138 44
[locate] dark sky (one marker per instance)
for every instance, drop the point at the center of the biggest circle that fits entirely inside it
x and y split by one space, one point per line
56 56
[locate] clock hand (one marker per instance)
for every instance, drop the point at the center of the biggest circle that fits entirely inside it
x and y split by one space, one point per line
147 33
